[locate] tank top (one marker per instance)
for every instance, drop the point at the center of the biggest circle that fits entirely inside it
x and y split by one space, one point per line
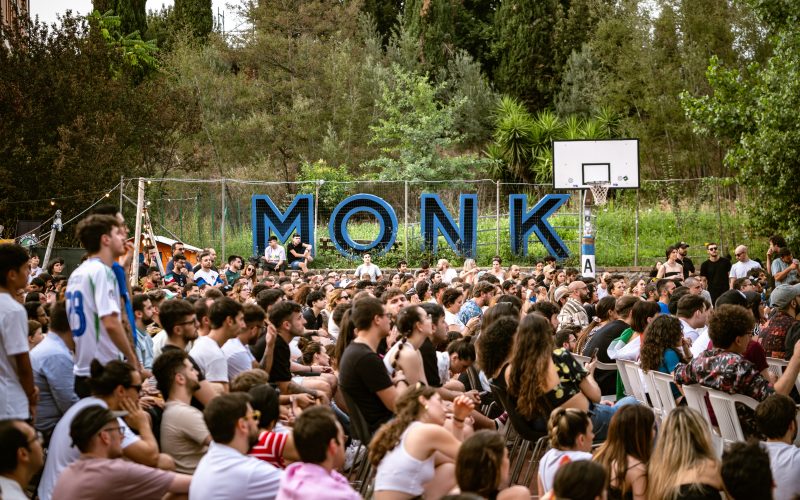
399 471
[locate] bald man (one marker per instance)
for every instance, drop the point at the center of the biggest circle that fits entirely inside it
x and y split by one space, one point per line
742 266
573 313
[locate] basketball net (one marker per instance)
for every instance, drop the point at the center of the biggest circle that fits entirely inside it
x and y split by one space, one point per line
599 192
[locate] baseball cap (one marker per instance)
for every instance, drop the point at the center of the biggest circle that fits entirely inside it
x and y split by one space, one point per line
783 295
548 269
681 244
560 293
89 421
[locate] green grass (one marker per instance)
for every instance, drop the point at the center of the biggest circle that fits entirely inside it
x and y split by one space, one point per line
615 238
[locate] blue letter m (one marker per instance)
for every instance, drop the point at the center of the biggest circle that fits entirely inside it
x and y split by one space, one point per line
267 218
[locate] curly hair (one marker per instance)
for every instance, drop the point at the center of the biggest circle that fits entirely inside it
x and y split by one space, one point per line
663 333
532 355
728 322
494 344
407 409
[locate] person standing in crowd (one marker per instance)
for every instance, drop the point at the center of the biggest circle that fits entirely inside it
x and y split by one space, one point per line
18 392
184 435
226 471
367 267
684 260
143 312
53 372
21 458
742 266
776 242
716 271
93 300
99 472
671 268
320 442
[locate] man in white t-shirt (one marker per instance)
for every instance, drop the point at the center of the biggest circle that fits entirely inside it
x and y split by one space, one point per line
775 417
448 273
227 321
226 471
275 256
237 350
93 299
742 266
206 275
369 268
18 393
693 314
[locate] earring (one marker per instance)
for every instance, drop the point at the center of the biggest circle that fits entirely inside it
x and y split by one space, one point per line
426 407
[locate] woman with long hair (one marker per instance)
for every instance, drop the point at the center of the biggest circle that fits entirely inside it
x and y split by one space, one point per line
414 453
604 313
629 344
249 273
684 464
571 436
335 297
671 267
414 326
315 354
637 286
469 272
540 379
497 268
242 292
301 293
663 348
482 467
627 451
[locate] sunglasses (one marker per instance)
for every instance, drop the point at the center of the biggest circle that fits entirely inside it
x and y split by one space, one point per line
712 249
738 254
256 415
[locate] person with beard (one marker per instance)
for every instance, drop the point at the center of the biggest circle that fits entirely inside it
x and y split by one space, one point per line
181 325
226 471
143 312
184 434
237 350
573 312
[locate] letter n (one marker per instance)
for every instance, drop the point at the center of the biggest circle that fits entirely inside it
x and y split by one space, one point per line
437 219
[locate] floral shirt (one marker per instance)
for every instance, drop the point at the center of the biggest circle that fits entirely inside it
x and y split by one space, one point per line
468 311
773 334
727 372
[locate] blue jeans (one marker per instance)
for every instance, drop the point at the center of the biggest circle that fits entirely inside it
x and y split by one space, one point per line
601 416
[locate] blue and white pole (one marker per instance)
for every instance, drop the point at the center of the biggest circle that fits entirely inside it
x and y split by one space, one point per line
587 245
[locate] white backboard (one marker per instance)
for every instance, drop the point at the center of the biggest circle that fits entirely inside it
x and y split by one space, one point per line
615 161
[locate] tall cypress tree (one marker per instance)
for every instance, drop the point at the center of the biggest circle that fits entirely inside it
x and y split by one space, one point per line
132 13
197 15
525 52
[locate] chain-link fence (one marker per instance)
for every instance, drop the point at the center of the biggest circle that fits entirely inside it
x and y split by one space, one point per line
633 228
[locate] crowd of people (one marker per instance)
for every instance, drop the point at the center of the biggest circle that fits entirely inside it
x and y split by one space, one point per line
249 380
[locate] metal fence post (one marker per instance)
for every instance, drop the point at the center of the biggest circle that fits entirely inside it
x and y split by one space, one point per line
719 216
224 257
405 213
636 235
497 218
317 185
137 238
121 191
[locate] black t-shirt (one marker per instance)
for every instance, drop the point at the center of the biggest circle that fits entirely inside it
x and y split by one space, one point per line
606 379
312 322
430 363
281 362
200 375
688 266
717 274
300 249
361 375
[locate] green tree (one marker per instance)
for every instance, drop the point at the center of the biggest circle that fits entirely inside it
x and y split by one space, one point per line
132 14
527 67
384 13
196 15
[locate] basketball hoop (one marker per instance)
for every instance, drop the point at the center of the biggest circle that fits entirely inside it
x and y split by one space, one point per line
599 192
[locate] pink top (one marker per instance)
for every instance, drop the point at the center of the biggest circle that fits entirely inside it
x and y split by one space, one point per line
303 480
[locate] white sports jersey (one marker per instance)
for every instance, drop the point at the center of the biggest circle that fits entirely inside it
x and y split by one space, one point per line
92 293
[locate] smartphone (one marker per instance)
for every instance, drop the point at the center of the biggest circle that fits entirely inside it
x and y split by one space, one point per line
594 352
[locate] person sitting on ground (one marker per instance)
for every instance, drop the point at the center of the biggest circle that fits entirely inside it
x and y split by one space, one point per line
627 450
414 452
777 421
414 325
226 471
571 439
99 472
482 467
664 347
684 464
724 369
21 457
184 435
238 355
746 472
321 445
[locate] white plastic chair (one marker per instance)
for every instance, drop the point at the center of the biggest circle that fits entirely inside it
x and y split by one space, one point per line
695 395
661 392
776 366
724 406
630 370
607 367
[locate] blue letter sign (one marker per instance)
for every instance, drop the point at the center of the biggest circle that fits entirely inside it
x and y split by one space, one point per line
523 223
437 219
266 217
387 221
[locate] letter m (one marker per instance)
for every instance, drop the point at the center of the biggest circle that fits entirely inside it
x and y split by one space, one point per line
268 219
